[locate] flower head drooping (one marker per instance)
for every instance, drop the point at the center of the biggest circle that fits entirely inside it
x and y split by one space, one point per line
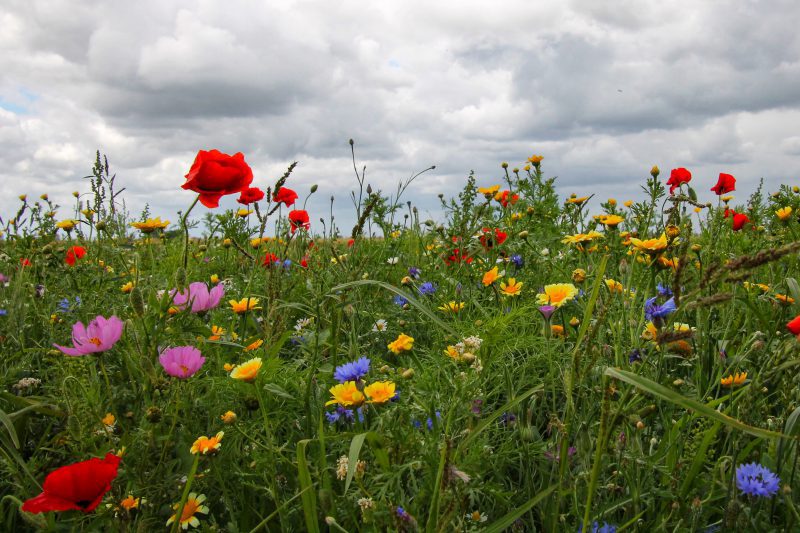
79 486
286 196
352 371
100 335
346 394
201 298
754 479
207 445
194 505
725 184
182 361
402 343
248 371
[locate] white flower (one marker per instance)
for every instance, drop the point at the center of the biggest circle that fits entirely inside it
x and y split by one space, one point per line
341 467
380 325
393 260
545 251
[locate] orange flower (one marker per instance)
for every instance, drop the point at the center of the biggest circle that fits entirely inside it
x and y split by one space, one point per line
248 371
491 276
733 380
207 445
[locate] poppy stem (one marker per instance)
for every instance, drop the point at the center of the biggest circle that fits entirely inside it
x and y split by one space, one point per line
179 513
184 218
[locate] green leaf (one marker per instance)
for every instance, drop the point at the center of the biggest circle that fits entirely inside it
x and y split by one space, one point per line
352 458
794 288
309 497
277 390
687 403
505 522
12 432
791 428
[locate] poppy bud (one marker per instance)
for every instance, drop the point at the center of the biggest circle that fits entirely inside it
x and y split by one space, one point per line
23 197
137 301
101 225
314 188
504 164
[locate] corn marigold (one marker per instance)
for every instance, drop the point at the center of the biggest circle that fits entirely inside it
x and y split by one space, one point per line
247 371
402 343
193 506
346 394
557 294
380 391
207 445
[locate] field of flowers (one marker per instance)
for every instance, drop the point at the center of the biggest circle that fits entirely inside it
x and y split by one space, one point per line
522 364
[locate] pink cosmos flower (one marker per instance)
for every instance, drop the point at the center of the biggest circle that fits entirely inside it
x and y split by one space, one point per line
182 361
202 299
100 335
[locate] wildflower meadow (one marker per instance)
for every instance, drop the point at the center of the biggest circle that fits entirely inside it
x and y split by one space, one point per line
525 362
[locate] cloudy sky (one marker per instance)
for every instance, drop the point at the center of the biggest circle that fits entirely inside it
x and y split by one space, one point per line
603 90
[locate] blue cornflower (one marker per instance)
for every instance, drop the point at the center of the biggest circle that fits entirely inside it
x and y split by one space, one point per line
287 264
427 288
3 312
353 371
756 480
652 310
345 415
597 528
414 272
635 356
65 305
663 290
518 261
508 419
430 420
400 301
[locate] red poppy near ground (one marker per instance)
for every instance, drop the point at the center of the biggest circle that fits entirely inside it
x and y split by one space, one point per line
79 486
350 243
678 176
24 262
727 212
214 174
456 256
269 259
304 261
725 184
73 254
250 195
794 325
285 195
739 220
298 218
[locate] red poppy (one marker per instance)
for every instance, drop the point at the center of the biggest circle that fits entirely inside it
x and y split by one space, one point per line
304 261
456 256
499 237
739 220
269 259
73 254
506 198
728 212
250 195
725 184
298 218
24 262
678 176
214 174
794 325
285 195
350 243
79 486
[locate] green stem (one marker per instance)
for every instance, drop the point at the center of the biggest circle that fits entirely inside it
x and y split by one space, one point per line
186 232
177 523
598 452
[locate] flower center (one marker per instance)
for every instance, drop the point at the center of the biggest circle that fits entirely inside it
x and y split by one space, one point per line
96 341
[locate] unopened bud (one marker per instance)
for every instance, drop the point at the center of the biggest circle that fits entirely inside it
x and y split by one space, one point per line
408 373
137 301
314 188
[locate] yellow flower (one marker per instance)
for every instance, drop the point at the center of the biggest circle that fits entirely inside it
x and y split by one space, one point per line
489 191
650 246
130 503
380 391
395 234
733 380
150 225
627 203
784 299
228 418
611 221
255 345
247 371
727 199
216 333
557 330
346 394
254 243
698 209
614 286
452 352
207 445
228 367
109 420
88 213
44 197
512 289
452 307
214 279
574 322
194 505
578 201
491 276
128 287
535 160
612 202
23 197
784 212
650 332
244 305
666 262
402 343
579 275
557 294
244 213
67 225
581 237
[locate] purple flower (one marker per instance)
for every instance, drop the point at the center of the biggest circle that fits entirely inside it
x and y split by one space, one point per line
182 361
663 290
198 294
100 335
427 288
345 415
414 272
400 301
756 480
3 278
352 371
597 528
547 311
634 356
508 419
557 457
653 311
518 261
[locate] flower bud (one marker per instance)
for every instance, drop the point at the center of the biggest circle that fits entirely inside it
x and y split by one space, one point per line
579 275
655 171
101 225
504 164
137 301
523 234
408 373
23 197
76 194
